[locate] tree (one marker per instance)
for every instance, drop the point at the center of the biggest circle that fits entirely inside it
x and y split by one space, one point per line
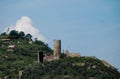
14 34
21 34
29 36
4 34
39 42
36 39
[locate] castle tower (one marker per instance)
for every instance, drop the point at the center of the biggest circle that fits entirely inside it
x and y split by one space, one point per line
57 47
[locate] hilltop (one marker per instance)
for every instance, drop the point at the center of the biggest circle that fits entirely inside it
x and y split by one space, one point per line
19 52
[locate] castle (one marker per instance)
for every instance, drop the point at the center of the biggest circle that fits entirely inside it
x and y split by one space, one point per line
56 54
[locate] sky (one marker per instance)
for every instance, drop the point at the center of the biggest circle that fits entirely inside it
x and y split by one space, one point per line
90 27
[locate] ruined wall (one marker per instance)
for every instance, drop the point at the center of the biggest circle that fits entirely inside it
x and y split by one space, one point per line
73 54
51 58
40 56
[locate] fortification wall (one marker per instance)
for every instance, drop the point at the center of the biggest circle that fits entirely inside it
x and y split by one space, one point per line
73 54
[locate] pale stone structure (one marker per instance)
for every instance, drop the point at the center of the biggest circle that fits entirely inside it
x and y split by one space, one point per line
108 65
57 47
20 73
51 58
56 53
6 40
72 54
11 47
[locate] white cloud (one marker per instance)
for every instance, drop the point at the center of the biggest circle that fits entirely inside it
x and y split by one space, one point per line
25 24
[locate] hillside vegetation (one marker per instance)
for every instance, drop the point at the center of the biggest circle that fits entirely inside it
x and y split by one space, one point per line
71 68
24 57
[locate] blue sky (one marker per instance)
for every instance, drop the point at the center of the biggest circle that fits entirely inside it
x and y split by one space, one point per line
91 27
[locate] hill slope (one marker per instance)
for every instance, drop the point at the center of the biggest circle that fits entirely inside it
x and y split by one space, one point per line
18 51
71 68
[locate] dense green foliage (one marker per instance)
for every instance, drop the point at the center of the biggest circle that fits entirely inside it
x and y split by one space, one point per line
71 68
24 55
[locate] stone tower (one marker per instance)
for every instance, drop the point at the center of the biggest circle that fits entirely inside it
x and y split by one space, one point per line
57 47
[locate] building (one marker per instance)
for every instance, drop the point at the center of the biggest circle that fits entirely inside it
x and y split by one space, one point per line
6 40
56 54
72 54
11 47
